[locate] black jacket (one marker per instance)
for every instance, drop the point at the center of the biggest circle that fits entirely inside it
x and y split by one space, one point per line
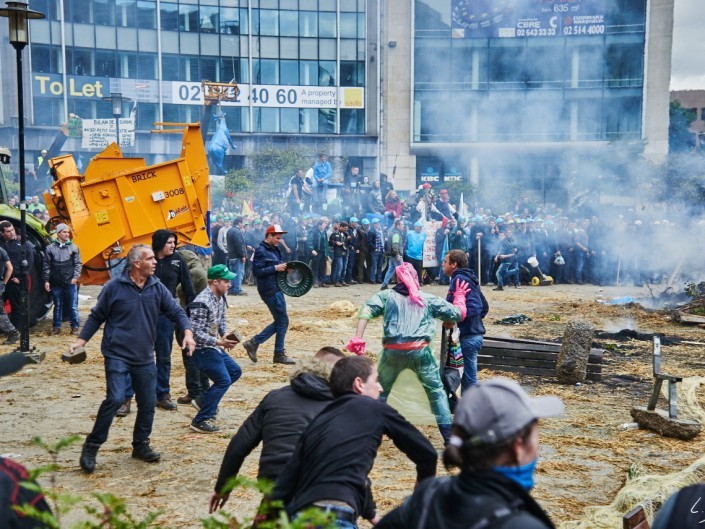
14 494
172 270
278 422
475 303
336 453
465 502
236 243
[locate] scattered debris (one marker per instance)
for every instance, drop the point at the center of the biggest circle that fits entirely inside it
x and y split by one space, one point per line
516 319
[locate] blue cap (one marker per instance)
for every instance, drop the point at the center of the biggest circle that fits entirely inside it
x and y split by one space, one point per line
375 219
365 222
354 219
418 223
500 219
478 218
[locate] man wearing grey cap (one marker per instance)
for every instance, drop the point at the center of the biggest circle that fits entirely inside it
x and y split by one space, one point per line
494 442
61 270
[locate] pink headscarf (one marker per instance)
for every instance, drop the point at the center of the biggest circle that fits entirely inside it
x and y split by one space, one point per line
407 275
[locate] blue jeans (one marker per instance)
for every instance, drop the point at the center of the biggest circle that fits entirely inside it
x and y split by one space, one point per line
343 524
377 267
580 257
470 346
144 379
222 370
277 306
393 263
507 272
350 266
338 269
65 298
237 266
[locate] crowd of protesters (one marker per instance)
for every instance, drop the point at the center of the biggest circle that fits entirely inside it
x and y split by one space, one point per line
362 229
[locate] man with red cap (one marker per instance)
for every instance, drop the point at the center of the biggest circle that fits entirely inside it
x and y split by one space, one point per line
266 263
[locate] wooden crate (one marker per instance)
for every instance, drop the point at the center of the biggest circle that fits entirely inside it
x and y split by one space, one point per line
530 357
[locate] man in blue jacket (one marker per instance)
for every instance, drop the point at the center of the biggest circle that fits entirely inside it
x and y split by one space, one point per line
265 265
455 266
130 305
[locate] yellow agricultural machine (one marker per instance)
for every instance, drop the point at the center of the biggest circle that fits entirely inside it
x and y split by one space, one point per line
119 202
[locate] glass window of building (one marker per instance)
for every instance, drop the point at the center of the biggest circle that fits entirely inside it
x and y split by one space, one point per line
348 25
545 64
80 61
327 25
104 12
361 25
48 111
428 69
125 13
327 5
147 14
308 75
78 11
127 65
348 5
105 63
352 73
308 120
289 119
326 73
624 59
326 121
266 119
210 69
147 66
268 22
265 71
288 23
507 63
170 67
147 114
230 21
289 72
49 7
231 69
352 121
41 58
188 68
169 16
308 24
209 19
188 18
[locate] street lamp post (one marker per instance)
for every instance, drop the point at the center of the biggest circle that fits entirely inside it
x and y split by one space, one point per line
117 100
19 14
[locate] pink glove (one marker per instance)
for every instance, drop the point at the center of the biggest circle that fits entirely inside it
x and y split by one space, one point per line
356 345
461 289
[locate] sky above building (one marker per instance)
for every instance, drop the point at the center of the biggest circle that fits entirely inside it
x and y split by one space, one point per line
688 64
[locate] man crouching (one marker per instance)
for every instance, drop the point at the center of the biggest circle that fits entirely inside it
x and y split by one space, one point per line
207 313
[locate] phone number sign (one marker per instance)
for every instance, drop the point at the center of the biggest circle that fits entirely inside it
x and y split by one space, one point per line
274 96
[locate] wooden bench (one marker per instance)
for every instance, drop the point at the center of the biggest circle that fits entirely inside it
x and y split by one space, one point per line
530 357
659 379
635 519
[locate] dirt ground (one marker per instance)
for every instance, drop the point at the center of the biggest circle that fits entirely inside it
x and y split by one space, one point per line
585 456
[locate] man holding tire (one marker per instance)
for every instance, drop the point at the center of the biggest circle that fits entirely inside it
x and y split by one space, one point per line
265 265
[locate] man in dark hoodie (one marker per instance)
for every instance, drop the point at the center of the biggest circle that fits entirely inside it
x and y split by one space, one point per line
278 422
455 266
172 271
237 253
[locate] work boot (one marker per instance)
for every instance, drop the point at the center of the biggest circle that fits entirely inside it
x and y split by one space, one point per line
13 337
56 330
166 403
124 408
281 358
74 331
146 453
251 348
185 399
498 288
88 454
